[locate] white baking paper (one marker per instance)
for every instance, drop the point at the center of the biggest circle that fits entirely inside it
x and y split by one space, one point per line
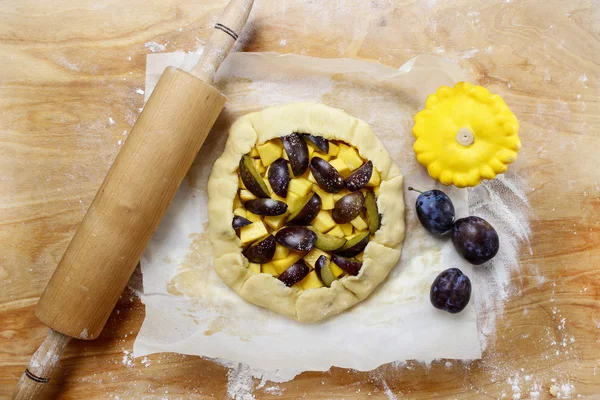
190 310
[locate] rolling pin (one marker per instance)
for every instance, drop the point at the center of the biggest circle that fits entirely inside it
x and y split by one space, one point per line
130 203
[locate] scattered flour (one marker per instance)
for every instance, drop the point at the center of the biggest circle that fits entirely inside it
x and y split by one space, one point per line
469 54
68 64
239 383
127 359
274 390
503 203
156 47
386 388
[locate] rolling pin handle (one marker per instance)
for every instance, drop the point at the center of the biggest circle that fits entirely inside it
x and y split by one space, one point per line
40 368
221 40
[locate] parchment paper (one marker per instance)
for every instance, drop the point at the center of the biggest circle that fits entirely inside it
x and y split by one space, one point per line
190 310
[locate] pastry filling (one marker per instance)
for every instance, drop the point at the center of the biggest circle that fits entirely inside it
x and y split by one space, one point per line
306 209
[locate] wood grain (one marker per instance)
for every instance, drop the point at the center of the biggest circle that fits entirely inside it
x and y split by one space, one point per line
69 66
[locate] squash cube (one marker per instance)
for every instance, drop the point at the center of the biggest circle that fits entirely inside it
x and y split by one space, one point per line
337 271
293 201
300 186
253 232
337 232
347 229
269 152
341 166
311 281
246 195
375 178
240 212
254 268
269 268
275 222
359 223
259 166
327 202
350 157
323 221
334 149
313 255
281 252
252 217
237 203
285 263
253 153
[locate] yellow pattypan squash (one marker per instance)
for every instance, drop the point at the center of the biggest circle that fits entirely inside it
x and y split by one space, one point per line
465 134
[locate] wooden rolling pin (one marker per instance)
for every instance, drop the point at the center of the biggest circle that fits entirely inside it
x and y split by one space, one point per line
130 203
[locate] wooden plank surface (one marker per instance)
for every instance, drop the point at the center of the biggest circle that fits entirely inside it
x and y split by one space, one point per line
69 84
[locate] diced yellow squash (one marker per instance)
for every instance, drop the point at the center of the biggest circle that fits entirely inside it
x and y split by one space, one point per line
375 178
324 156
285 263
252 217
311 281
304 176
311 177
253 153
340 194
269 268
359 223
284 155
253 232
311 151
269 152
269 188
323 221
347 229
313 255
281 252
327 202
259 166
277 197
376 191
333 149
275 221
246 195
359 257
350 157
300 186
254 267
341 166
293 201
240 183
337 271
240 212
237 203
337 232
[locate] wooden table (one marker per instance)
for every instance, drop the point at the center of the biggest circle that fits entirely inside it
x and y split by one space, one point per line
69 91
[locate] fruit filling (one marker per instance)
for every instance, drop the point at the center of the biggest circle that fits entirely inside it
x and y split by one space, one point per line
306 209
